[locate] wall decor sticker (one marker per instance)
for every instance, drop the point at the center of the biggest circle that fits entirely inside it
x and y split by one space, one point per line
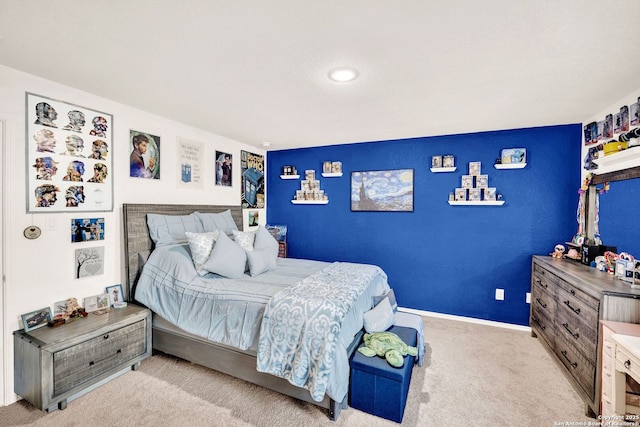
67 158
223 168
252 189
144 160
384 191
190 155
86 229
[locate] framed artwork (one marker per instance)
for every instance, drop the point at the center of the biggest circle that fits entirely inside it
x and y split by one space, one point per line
116 296
36 319
89 262
144 160
223 168
384 191
96 302
190 158
87 229
67 157
252 188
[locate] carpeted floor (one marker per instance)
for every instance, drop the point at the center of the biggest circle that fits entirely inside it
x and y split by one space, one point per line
473 375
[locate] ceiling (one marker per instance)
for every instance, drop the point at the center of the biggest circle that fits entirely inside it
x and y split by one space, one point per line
256 71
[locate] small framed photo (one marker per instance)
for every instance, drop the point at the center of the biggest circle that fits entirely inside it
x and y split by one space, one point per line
96 303
60 310
116 296
436 161
36 319
448 161
474 194
326 167
482 181
461 194
490 193
467 181
336 167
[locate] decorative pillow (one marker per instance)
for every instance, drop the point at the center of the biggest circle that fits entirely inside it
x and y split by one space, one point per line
244 239
379 318
392 299
222 221
171 229
264 240
227 258
200 245
261 260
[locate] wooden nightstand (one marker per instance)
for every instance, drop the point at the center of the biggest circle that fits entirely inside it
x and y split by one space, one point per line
55 365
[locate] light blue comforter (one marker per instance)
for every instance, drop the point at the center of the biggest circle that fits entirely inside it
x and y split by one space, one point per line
302 323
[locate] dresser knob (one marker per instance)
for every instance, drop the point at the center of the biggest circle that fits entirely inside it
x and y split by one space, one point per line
106 336
627 364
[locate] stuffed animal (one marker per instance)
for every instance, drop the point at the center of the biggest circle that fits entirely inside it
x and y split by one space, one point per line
558 251
387 345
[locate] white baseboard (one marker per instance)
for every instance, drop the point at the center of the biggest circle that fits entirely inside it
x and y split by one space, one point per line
466 319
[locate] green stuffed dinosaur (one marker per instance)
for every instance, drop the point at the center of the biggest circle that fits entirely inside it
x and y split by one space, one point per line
387 345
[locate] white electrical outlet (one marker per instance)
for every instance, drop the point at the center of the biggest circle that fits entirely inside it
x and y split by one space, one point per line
500 294
528 298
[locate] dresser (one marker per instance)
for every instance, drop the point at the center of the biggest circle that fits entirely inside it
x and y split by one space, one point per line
54 365
568 300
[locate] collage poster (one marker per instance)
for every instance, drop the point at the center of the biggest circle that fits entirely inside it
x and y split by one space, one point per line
69 152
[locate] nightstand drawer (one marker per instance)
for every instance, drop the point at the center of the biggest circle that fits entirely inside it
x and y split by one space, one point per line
82 362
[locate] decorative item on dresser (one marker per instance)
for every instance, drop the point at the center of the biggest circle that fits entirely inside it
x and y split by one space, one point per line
567 301
53 366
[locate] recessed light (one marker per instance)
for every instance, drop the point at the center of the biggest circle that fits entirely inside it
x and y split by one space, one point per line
266 144
343 74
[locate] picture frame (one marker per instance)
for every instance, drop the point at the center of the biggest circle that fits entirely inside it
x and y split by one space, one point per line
69 166
87 229
96 303
116 295
36 319
382 190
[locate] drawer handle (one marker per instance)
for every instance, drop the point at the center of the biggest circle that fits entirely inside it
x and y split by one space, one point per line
575 310
93 362
627 364
105 336
535 319
575 335
544 285
572 292
573 364
541 303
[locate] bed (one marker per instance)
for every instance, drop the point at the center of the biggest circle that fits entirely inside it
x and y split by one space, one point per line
247 304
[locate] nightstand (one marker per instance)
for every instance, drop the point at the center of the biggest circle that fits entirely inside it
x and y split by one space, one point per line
55 365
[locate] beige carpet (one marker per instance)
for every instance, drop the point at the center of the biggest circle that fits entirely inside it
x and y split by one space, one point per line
473 375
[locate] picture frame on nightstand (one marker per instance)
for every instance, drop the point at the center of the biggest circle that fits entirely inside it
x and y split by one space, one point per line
36 319
116 296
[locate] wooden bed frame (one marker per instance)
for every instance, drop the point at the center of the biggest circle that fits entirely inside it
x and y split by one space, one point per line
186 346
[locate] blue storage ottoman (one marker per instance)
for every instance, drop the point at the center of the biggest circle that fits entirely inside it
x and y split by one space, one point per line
378 388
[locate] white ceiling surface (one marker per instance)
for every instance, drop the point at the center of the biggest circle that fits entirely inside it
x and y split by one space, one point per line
256 71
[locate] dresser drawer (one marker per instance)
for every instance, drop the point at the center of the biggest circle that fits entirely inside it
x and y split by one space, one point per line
543 302
578 309
82 362
578 332
544 280
581 369
577 294
542 324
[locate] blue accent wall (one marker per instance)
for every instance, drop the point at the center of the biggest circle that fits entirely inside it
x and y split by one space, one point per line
619 209
440 258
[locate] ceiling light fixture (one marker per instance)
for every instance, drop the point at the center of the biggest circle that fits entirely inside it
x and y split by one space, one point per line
343 74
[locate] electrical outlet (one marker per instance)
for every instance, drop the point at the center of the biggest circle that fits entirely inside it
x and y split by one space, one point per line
500 294
528 298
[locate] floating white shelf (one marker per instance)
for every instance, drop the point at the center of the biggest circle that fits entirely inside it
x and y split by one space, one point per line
289 176
331 174
309 202
614 162
478 203
509 165
449 169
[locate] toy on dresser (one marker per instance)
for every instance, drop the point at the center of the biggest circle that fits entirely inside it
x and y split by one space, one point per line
558 251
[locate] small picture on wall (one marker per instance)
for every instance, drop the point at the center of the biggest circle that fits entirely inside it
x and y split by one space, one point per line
86 229
36 319
253 219
89 262
144 160
634 113
621 120
223 168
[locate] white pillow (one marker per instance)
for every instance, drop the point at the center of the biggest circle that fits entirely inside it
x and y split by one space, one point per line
200 245
379 318
244 239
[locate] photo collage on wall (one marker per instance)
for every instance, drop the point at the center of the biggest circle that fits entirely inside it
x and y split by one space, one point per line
69 152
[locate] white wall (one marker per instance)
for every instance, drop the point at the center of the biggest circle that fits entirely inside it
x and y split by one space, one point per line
40 272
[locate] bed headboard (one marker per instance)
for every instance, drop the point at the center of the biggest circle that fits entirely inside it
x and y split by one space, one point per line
136 233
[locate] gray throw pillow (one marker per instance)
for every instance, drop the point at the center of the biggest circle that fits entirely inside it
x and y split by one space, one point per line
227 258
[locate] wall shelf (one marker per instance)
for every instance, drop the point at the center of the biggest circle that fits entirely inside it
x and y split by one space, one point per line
509 165
478 203
331 174
309 202
440 170
289 176
614 162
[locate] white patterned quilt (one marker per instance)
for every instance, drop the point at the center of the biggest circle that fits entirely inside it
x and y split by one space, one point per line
301 324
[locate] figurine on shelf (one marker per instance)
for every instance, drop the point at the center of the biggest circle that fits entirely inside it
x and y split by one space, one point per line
558 251
573 254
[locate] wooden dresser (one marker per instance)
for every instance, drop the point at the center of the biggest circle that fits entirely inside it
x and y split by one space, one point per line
568 299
